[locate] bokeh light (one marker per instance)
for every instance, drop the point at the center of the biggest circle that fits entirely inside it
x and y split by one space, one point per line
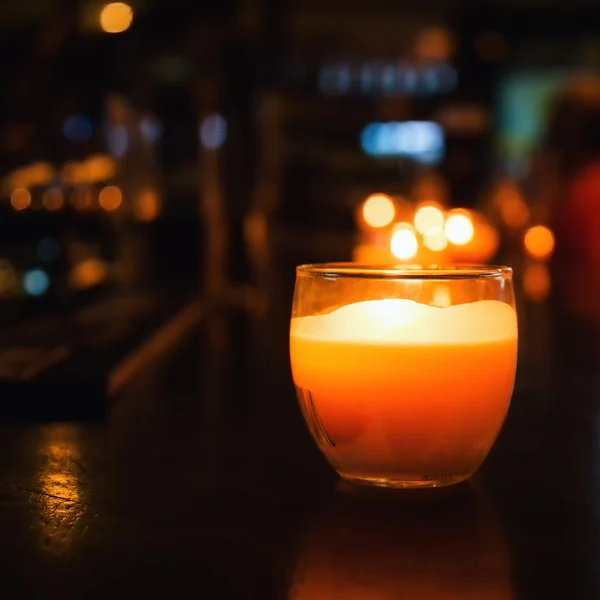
78 128
38 173
436 242
88 273
20 199
539 242
116 17
147 204
36 282
8 278
459 228
110 197
118 140
82 198
435 44
100 167
429 220
536 282
511 206
53 199
213 131
404 244
378 210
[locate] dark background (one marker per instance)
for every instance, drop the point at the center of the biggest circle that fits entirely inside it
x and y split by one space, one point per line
158 188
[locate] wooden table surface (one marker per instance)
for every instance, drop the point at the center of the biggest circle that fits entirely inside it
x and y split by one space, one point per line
204 483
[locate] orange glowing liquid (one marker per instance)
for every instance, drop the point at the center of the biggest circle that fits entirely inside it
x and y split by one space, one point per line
420 413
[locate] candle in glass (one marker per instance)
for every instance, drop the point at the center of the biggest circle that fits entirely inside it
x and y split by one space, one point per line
404 376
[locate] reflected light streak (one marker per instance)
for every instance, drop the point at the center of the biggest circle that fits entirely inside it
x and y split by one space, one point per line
361 549
59 504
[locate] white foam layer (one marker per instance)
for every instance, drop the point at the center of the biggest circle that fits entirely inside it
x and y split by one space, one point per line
394 321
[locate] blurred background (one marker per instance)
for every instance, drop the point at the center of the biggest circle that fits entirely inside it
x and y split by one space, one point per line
153 152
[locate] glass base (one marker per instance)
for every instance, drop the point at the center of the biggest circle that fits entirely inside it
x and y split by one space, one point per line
385 482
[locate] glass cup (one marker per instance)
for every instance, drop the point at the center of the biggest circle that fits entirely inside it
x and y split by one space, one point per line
404 375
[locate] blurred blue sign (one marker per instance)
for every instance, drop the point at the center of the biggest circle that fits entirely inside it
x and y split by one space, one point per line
422 141
387 79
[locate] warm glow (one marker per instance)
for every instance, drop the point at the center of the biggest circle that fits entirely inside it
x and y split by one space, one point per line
147 205
370 254
536 282
116 17
20 199
399 388
435 44
58 478
436 242
378 210
512 207
53 199
100 167
459 229
429 220
82 198
8 278
75 173
88 273
441 296
539 242
39 173
110 198
404 243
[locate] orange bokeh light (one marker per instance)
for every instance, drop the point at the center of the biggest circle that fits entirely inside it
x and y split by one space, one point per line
20 199
536 282
429 220
116 17
539 242
53 199
512 206
404 244
378 210
436 242
82 199
147 205
459 228
110 198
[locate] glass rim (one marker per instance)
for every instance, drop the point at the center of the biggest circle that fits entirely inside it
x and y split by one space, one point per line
402 272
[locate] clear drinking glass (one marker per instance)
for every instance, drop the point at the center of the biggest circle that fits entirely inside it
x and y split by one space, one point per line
404 375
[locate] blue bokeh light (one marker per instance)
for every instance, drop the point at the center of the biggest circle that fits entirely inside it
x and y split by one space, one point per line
422 141
36 282
78 128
